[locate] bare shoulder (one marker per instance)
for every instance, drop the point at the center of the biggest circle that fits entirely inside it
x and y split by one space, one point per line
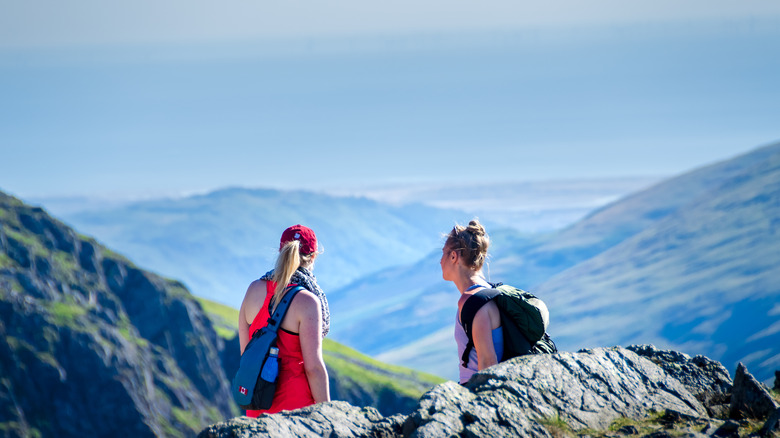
258 284
488 314
306 301
253 300
256 290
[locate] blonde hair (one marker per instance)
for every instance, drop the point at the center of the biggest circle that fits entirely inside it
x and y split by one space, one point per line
471 243
288 261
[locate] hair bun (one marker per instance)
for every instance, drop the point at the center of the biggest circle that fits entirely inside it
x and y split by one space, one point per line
476 228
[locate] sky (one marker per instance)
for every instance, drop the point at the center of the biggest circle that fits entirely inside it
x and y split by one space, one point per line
146 98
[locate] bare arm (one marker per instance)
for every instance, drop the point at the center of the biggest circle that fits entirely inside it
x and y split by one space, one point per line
310 330
485 321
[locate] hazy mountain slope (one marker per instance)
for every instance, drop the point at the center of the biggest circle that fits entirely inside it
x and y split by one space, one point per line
529 206
354 377
93 346
706 278
527 262
218 243
531 264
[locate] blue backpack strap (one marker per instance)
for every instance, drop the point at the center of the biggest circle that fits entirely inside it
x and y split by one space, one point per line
243 385
275 320
467 314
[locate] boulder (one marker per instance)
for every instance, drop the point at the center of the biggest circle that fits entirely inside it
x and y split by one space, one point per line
708 380
589 389
332 419
750 398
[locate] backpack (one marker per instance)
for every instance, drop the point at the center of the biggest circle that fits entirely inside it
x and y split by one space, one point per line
254 385
524 319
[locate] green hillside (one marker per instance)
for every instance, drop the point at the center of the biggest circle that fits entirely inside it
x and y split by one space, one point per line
354 377
91 345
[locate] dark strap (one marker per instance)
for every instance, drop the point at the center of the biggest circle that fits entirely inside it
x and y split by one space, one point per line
275 320
467 314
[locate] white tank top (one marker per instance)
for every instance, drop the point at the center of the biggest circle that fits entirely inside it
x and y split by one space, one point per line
462 340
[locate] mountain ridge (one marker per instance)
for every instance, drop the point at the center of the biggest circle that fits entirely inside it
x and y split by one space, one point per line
529 261
232 232
107 344
737 233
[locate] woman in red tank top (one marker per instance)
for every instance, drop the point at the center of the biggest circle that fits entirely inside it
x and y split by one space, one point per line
303 378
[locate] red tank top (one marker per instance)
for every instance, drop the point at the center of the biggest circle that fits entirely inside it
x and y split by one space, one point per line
292 388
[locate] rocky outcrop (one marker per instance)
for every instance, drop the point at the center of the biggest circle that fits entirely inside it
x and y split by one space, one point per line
332 419
708 380
750 398
91 345
589 389
521 397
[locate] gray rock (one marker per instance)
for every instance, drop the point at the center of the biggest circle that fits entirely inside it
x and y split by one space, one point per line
516 398
708 380
588 389
777 381
332 419
750 398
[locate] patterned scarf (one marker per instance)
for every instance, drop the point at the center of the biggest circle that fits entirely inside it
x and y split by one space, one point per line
305 278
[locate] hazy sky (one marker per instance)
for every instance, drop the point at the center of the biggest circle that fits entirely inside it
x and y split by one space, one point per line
142 98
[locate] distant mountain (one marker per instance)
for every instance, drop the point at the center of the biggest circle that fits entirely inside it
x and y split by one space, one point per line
219 242
91 345
704 243
528 206
705 277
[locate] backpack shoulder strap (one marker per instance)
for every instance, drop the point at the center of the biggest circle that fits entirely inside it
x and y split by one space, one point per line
275 320
467 314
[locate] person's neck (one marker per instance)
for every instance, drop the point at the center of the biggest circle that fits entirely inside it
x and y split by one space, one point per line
470 279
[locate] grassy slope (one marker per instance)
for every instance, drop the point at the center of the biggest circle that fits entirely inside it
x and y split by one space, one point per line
67 303
345 361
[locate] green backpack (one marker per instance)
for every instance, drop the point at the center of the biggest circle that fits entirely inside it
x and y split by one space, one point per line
524 319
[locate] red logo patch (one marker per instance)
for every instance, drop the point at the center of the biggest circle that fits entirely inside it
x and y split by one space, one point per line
242 390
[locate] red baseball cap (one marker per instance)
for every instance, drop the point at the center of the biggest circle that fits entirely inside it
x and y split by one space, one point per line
303 234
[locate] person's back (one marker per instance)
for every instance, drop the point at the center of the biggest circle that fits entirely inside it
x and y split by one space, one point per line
303 378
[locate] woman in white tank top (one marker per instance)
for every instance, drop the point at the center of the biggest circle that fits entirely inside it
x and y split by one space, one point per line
463 256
